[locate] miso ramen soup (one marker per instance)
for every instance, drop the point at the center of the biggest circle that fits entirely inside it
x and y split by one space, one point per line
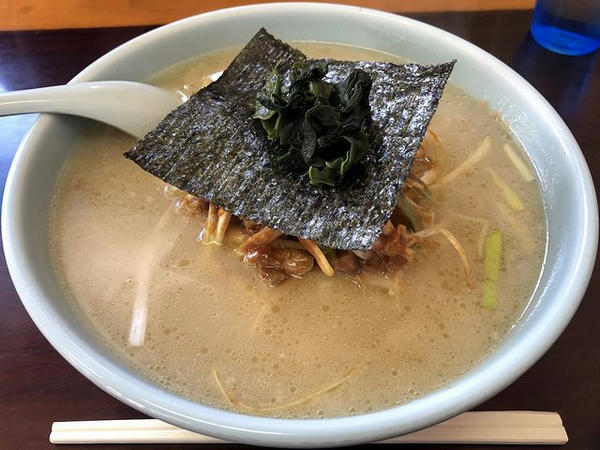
130 256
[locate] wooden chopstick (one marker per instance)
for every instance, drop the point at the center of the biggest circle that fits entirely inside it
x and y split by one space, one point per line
476 427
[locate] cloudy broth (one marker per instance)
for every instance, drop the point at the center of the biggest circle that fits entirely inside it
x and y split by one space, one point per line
311 347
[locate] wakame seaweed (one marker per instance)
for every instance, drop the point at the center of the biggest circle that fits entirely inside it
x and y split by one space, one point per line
211 147
325 124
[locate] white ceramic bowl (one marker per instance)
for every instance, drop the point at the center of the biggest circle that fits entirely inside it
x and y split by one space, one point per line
566 184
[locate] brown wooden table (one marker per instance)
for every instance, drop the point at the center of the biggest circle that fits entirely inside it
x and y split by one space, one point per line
38 387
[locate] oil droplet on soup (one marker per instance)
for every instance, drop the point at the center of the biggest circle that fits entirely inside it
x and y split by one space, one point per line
312 347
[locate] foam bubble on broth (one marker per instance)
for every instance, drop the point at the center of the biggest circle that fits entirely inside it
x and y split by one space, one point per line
273 346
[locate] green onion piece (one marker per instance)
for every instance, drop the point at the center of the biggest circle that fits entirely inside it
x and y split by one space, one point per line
491 263
518 163
490 294
509 195
410 213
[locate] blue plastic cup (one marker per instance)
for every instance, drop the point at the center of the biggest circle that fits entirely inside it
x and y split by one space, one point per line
569 27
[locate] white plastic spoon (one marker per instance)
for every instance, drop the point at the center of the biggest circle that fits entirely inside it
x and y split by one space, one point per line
133 107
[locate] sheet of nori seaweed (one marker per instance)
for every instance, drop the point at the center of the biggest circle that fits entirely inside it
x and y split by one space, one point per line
211 148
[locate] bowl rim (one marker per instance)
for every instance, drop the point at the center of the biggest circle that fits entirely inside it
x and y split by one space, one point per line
469 390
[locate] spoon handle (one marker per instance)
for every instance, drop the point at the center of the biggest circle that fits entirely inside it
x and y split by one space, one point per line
132 107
